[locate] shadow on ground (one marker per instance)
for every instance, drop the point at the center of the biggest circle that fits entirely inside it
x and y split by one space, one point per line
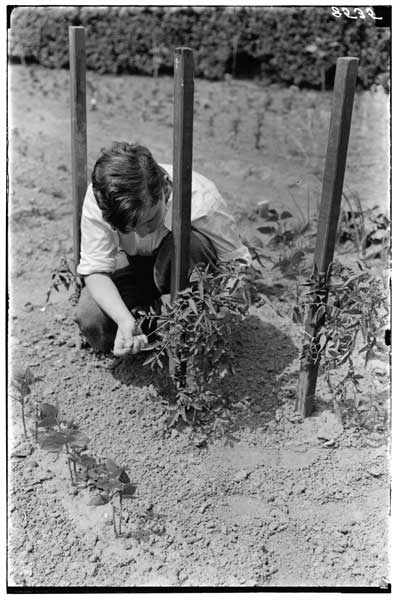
261 354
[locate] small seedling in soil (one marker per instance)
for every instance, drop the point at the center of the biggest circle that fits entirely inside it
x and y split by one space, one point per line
113 482
56 435
235 125
267 103
21 385
65 275
211 124
368 230
195 334
260 117
281 227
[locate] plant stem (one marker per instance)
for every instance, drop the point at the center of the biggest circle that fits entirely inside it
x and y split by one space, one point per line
67 451
114 521
23 418
69 468
121 512
36 422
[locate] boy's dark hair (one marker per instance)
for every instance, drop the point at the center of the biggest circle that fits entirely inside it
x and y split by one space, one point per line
126 180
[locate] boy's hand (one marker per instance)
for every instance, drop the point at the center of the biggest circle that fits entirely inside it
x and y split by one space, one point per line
129 338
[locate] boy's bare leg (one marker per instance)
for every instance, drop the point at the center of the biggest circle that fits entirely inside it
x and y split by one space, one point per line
136 287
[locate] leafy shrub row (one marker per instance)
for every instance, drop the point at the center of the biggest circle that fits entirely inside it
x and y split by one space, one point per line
284 45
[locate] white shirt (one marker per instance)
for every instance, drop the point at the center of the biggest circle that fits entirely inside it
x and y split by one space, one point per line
100 243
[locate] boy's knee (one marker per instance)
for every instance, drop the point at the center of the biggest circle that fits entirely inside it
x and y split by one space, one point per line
201 251
86 310
94 324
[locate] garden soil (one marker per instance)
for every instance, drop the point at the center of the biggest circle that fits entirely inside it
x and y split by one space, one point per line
275 500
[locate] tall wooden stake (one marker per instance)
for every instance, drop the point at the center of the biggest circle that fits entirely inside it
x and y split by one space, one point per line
78 130
182 166
340 124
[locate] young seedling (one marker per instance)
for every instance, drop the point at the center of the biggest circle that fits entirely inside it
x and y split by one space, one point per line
113 482
235 125
21 386
364 228
282 227
260 117
212 117
65 275
59 436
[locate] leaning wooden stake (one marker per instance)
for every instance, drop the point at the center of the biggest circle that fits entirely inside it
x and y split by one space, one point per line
340 124
78 130
182 166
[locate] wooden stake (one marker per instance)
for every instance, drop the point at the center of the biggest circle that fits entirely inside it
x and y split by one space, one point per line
182 167
340 124
78 131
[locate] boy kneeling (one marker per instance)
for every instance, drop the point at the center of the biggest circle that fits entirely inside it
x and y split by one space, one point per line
127 245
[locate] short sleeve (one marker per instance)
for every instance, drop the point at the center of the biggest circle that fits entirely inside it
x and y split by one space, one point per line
99 242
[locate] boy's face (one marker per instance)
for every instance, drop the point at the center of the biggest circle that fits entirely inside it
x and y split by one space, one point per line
151 219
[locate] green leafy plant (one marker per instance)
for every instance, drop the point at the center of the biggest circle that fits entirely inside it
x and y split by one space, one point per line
349 314
283 227
52 433
289 233
194 333
113 482
21 388
107 478
57 435
368 230
65 275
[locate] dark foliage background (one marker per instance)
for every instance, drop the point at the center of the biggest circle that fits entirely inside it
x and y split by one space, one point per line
280 45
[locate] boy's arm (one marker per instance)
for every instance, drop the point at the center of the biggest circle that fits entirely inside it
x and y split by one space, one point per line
129 337
99 243
98 250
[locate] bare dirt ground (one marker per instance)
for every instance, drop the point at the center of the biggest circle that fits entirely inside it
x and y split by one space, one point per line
278 501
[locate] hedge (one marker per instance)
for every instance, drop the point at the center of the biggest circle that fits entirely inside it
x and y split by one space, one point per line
281 45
